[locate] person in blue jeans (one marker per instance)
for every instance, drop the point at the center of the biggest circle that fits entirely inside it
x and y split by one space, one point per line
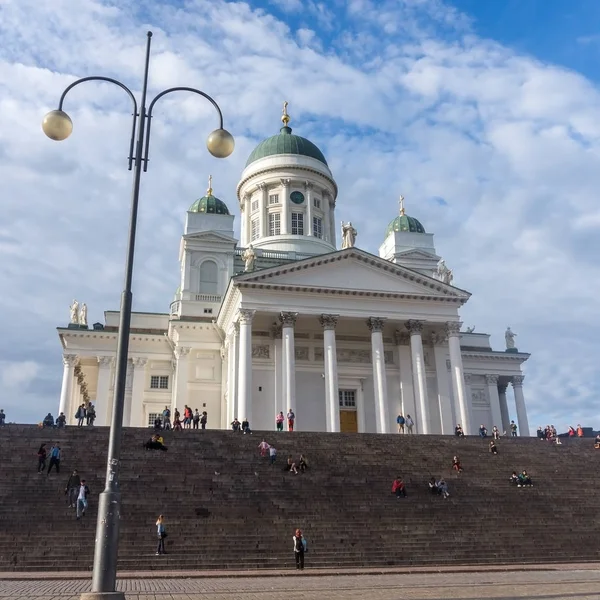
54 459
400 420
82 499
162 534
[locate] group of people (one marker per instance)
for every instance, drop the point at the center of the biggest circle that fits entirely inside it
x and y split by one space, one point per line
191 419
156 442
49 421
77 493
550 434
244 426
85 413
54 454
280 419
293 466
521 480
405 424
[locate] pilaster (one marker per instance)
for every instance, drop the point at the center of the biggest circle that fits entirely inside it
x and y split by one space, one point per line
332 404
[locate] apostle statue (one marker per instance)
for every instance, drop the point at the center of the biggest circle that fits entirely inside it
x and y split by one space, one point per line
74 308
348 235
443 273
249 258
470 329
509 338
83 315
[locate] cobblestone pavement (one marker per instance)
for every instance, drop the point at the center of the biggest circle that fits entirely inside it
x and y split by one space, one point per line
539 585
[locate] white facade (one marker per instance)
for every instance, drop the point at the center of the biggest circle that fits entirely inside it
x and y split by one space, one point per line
347 339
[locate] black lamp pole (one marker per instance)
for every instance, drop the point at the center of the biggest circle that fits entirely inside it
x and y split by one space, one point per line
57 125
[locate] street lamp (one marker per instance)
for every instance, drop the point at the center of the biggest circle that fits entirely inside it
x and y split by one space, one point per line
57 125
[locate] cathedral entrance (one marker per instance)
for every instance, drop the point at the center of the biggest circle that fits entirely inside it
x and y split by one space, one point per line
348 415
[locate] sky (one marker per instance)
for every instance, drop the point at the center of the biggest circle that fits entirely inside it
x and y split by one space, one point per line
484 115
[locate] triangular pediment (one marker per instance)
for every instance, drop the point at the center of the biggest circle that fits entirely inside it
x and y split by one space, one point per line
352 269
416 254
209 237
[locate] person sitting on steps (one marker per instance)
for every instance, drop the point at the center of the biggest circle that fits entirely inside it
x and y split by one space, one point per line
524 480
235 424
433 488
597 442
495 433
493 447
398 488
156 442
443 488
291 465
246 426
483 431
514 478
303 463
456 464
458 431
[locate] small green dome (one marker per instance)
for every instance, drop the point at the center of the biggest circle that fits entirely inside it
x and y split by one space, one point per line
285 142
404 223
209 204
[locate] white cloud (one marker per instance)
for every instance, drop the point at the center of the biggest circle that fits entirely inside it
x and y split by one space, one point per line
509 143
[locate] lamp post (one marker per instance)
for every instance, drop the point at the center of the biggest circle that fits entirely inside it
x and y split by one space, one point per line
57 125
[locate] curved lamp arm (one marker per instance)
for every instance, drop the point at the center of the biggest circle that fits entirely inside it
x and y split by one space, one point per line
122 86
175 89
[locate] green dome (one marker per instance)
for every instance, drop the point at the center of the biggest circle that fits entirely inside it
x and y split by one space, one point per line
209 204
404 223
286 142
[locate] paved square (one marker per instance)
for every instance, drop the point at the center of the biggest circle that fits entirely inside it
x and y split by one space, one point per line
535 585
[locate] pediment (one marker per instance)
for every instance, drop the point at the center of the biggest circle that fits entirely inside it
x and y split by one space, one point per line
415 254
209 237
352 270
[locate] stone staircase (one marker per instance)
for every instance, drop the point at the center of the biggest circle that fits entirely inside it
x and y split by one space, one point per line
244 516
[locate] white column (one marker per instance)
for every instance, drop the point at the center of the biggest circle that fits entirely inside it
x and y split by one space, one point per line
233 376
69 361
262 210
419 377
504 408
458 377
332 402
517 383
245 366
243 213
288 320
103 396
308 227
332 220
180 389
128 394
278 379
492 383
285 206
325 200
407 391
443 385
138 385
379 375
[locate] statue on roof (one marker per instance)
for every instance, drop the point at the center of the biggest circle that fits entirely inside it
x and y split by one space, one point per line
249 258
83 315
443 273
74 308
348 235
509 338
470 329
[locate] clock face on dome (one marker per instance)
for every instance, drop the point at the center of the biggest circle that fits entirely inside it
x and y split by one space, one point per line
297 197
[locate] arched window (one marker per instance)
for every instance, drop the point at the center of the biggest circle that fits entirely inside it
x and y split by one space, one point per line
209 277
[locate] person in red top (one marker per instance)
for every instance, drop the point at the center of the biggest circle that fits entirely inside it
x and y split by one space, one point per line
579 431
571 431
398 488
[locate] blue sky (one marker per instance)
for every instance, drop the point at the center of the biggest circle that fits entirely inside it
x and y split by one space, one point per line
485 115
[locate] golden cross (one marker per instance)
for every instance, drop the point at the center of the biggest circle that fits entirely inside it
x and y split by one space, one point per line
209 191
401 206
285 118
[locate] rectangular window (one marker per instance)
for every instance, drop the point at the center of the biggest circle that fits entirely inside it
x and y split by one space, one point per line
297 223
254 205
274 199
317 202
208 311
274 224
159 382
254 230
152 417
347 398
318 227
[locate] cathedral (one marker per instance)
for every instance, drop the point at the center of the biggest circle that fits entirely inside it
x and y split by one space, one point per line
282 318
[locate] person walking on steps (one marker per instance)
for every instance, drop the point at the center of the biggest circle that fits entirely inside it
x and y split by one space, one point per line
72 489
299 549
82 499
162 534
54 459
42 454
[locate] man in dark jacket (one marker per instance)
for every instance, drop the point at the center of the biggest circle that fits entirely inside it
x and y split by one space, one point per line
72 489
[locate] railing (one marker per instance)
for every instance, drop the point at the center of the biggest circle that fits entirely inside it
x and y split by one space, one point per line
207 298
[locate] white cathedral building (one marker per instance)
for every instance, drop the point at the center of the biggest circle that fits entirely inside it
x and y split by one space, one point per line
283 319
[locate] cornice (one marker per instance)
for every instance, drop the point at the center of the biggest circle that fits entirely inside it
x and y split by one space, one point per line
267 170
521 357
